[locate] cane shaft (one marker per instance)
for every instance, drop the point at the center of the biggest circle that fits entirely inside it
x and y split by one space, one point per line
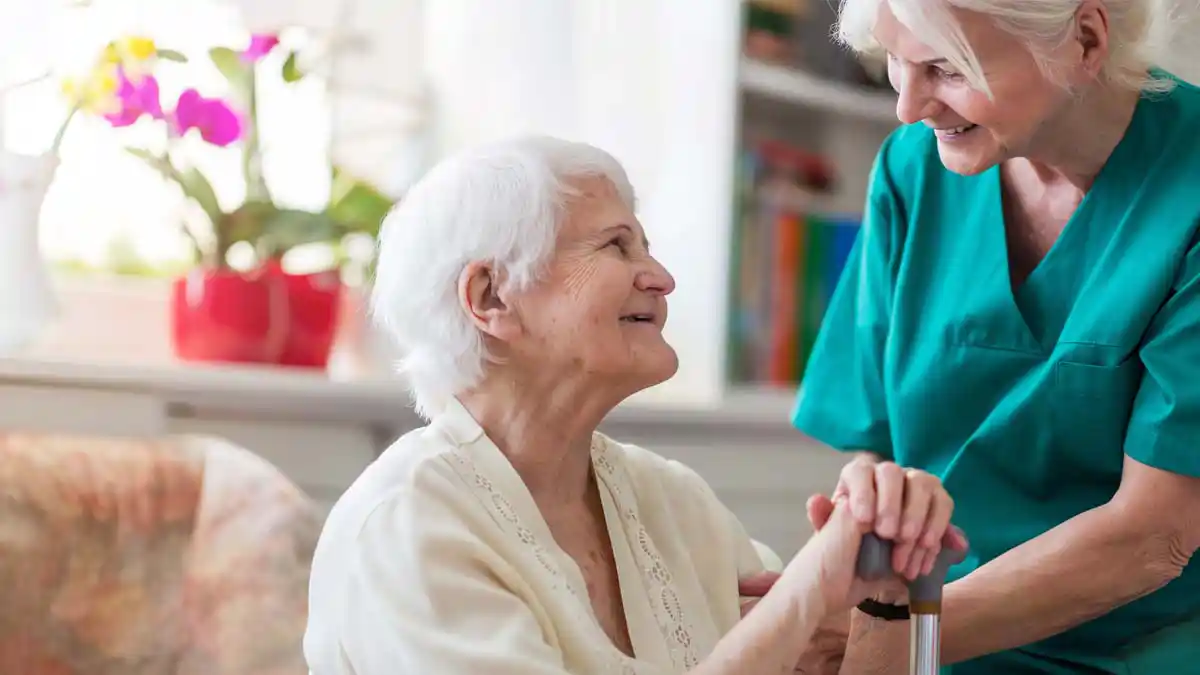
924 652
925 600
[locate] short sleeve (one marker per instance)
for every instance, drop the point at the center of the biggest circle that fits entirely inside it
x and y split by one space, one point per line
426 595
1164 427
842 401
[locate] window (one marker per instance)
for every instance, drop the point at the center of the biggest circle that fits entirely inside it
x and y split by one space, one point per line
106 207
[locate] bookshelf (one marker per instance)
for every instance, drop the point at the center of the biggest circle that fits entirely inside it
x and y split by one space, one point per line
797 87
810 119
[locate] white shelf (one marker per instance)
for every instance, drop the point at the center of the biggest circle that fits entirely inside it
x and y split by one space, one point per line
796 86
265 392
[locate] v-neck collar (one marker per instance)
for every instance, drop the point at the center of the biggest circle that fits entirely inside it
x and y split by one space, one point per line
648 597
1041 304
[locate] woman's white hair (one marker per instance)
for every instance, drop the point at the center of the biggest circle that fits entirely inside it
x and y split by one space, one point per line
500 203
1140 33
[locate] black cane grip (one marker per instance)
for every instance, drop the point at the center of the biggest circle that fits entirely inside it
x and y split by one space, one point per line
875 564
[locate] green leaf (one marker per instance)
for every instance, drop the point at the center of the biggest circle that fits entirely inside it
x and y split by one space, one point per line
291 71
147 156
272 230
171 55
355 205
289 228
230 64
196 186
245 223
193 183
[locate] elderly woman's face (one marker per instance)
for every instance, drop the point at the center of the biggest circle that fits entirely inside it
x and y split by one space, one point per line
974 132
601 307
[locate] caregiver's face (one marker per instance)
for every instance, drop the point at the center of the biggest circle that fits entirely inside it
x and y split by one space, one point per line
974 133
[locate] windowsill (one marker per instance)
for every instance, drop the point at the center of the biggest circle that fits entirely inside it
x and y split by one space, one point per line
112 334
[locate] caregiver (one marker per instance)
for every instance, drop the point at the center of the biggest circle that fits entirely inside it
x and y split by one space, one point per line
1021 316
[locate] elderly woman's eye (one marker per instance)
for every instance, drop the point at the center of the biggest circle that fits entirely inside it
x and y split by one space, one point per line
618 242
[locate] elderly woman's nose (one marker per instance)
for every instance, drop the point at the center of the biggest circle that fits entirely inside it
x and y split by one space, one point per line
655 278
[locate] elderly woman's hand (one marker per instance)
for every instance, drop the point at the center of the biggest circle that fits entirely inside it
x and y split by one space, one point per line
907 506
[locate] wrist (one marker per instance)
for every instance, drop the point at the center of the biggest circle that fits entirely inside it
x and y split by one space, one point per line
891 596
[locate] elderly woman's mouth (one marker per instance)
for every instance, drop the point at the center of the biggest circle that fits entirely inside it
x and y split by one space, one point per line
638 318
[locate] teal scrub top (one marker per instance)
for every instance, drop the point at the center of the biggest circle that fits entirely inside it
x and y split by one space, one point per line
1024 402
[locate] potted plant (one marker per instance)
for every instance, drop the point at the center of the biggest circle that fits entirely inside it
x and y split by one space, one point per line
265 314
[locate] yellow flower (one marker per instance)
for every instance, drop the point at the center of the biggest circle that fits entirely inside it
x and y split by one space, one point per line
135 49
135 55
110 54
95 93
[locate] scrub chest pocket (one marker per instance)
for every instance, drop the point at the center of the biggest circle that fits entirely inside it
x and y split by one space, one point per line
1092 404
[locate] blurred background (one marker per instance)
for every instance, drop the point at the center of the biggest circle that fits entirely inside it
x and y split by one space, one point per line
189 192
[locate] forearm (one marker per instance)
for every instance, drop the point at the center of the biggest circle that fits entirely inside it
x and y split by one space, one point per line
1076 572
1091 564
771 638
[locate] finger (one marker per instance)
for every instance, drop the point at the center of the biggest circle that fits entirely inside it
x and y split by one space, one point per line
941 506
919 491
950 538
903 554
757 585
889 499
819 509
842 521
926 558
858 482
955 539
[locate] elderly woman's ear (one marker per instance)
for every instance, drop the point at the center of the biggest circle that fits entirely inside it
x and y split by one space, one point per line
479 293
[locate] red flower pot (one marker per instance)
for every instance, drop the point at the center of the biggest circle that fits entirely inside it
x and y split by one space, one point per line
263 316
314 306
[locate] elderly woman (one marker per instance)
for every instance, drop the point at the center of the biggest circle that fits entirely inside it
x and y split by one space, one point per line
509 536
1023 319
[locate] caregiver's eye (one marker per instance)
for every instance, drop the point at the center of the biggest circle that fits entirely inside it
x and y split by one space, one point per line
947 74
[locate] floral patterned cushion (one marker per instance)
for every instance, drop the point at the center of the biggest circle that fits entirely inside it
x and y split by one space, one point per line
186 556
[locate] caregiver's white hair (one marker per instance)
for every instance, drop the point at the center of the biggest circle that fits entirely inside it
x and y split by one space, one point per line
1140 32
500 203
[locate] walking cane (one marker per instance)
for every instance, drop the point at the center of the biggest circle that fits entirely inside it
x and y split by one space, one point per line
924 600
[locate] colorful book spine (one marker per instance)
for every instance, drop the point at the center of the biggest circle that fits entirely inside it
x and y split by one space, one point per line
786 265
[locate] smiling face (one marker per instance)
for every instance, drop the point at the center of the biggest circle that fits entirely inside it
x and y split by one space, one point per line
598 311
974 132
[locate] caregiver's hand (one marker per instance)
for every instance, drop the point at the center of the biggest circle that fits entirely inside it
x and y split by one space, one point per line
907 506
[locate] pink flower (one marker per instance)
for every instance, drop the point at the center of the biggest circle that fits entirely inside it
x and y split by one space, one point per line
213 118
260 46
135 97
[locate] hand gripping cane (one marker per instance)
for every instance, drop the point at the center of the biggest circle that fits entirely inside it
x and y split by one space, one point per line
924 599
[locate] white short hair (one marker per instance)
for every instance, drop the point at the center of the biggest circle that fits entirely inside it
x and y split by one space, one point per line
500 203
1140 33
